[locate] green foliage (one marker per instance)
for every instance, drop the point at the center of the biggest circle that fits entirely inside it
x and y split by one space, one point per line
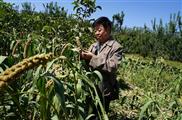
154 88
27 8
118 20
160 41
84 8
58 89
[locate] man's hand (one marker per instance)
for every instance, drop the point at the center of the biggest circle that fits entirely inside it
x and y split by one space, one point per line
86 55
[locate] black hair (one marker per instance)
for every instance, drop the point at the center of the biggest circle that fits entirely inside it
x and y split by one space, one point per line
103 21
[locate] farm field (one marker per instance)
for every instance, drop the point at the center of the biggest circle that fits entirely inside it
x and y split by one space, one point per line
43 78
149 90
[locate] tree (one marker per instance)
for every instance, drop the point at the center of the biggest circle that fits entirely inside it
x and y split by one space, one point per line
118 20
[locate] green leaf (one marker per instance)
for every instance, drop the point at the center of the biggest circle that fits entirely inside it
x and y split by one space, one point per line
70 106
47 28
1 70
59 89
88 117
55 117
99 7
144 109
98 75
11 114
49 64
86 79
2 58
37 73
79 87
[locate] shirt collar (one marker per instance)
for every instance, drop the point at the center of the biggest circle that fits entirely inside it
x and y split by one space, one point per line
109 42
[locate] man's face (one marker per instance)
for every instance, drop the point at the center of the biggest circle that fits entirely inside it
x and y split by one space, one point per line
101 33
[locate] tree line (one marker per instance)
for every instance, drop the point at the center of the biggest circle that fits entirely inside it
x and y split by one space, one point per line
162 40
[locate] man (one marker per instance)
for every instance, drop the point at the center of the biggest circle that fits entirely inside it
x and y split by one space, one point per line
104 56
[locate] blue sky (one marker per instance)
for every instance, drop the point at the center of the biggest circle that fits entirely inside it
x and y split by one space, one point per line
137 12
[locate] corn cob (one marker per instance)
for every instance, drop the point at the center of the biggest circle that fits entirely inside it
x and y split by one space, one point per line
28 63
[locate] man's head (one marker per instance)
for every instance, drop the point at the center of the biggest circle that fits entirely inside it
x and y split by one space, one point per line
102 27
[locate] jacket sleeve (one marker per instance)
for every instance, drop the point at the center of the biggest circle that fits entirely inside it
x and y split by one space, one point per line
107 62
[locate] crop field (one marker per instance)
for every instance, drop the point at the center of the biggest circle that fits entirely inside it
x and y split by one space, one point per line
43 78
149 90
